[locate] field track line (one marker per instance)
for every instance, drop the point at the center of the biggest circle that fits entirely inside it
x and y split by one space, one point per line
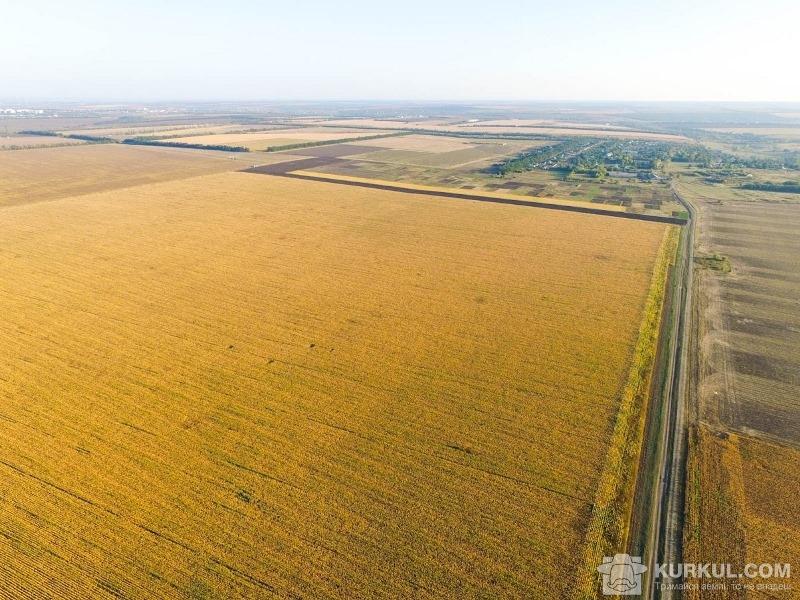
666 538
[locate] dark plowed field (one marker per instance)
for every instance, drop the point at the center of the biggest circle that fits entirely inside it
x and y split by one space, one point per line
334 150
292 165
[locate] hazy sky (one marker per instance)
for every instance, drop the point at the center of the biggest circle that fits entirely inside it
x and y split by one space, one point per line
426 50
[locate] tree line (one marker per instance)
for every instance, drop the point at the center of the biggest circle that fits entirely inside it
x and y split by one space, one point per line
148 142
94 139
791 187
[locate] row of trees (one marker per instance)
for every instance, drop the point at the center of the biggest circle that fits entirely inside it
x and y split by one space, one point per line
791 187
221 147
94 139
705 158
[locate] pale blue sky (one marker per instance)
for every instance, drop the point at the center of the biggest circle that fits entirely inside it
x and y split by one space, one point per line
425 50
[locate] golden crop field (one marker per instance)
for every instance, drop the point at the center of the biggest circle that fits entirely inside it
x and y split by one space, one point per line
52 173
238 385
742 503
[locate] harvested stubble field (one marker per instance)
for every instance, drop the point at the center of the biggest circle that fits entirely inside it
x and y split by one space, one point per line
421 143
750 344
474 154
52 173
239 385
744 460
448 146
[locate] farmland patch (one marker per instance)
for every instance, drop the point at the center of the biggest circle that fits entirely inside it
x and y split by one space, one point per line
53 173
193 404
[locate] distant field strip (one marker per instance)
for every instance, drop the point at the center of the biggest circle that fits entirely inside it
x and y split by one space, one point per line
261 141
441 151
51 173
284 170
235 386
499 128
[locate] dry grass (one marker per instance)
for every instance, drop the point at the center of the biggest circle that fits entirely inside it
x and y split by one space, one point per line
771 473
713 528
239 385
